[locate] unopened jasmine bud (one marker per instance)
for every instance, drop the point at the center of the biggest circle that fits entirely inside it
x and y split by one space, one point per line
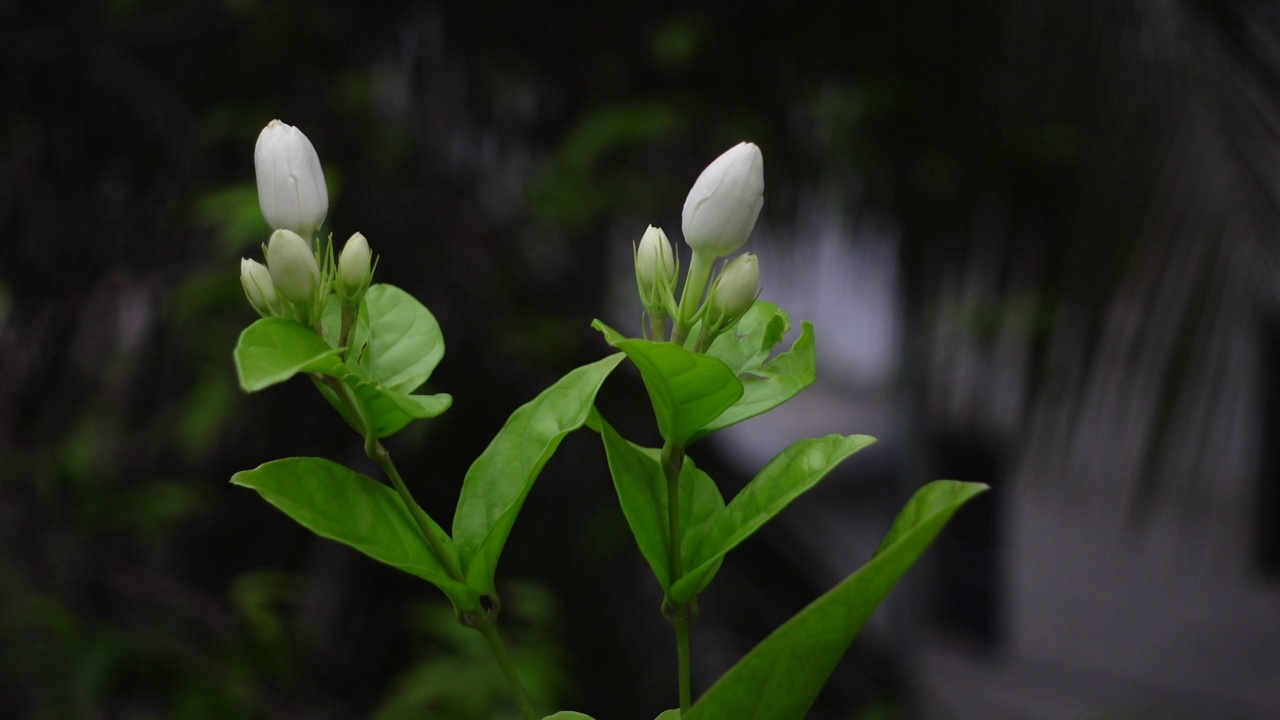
736 290
293 266
291 188
725 201
354 268
256 281
655 260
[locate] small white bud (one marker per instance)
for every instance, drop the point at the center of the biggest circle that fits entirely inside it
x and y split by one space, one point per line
354 268
655 259
736 290
293 266
256 281
291 188
725 201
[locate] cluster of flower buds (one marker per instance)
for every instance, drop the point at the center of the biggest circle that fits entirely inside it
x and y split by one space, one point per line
719 214
299 276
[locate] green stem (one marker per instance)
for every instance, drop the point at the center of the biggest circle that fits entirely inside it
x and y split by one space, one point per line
682 657
680 615
490 632
657 327
695 282
379 454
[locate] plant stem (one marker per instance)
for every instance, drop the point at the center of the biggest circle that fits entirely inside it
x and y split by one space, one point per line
695 282
682 657
490 632
378 453
680 615
657 327
485 620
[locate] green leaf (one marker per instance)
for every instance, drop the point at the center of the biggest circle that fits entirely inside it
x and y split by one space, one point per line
498 481
273 350
669 715
404 340
788 475
340 504
687 390
642 492
781 677
772 384
387 410
745 347
568 715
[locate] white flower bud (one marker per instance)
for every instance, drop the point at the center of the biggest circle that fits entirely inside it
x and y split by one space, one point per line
256 281
293 266
291 188
655 259
723 205
735 291
354 268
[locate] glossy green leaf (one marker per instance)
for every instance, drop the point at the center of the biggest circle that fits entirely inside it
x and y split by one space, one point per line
387 410
768 386
787 476
404 340
687 390
748 344
340 504
642 493
273 350
498 481
780 678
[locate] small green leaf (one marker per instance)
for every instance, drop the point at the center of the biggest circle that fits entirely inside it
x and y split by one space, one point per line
669 715
641 487
404 340
745 347
568 715
273 350
787 476
642 493
781 677
770 385
340 504
387 410
687 390
498 481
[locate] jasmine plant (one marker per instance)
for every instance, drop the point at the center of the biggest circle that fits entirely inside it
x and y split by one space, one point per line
706 356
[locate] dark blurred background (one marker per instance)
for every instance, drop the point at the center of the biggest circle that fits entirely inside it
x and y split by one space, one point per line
1039 241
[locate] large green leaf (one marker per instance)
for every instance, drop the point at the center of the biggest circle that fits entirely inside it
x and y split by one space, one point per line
687 390
498 481
340 504
404 340
768 386
788 475
642 493
781 677
273 350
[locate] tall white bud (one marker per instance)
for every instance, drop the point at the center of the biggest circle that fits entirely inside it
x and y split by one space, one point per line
291 188
725 201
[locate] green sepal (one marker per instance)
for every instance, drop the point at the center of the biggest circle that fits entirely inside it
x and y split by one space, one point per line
780 678
337 503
